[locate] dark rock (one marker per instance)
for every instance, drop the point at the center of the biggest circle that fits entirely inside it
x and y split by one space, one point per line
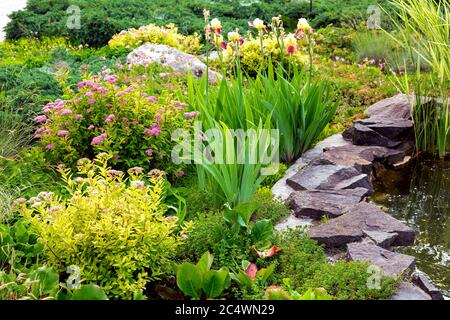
380 238
368 153
423 283
360 181
396 107
364 136
348 133
407 147
403 164
393 129
407 291
362 216
392 263
343 159
331 203
311 177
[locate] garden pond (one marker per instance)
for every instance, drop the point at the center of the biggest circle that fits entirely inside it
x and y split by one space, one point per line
420 196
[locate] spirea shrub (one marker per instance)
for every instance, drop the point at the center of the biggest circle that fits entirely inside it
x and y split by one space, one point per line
113 229
152 33
131 116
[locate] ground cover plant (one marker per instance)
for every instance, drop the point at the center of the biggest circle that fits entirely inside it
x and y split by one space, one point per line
93 204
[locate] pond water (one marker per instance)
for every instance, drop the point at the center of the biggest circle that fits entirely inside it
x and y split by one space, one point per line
420 197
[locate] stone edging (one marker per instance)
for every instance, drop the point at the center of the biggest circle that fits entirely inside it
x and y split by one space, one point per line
333 180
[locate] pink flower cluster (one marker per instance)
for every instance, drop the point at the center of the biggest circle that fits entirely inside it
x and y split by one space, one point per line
99 139
110 118
40 119
154 131
111 78
62 133
55 105
190 114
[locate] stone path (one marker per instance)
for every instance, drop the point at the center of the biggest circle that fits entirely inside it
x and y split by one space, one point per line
335 177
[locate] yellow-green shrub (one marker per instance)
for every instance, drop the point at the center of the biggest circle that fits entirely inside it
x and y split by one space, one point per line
152 33
113 229
250 54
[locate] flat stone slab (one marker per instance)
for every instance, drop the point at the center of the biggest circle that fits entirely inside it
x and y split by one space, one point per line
396 107
281 189
331 203
361 155
392 263
329 177
380 238
362 135
393 129
424 283
355 220
407 291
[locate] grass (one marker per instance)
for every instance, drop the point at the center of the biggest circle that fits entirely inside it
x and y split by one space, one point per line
424 31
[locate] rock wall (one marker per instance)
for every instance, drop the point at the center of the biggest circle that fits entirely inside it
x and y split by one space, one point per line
334 180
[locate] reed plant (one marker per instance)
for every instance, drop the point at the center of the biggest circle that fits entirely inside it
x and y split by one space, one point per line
290 102
424 31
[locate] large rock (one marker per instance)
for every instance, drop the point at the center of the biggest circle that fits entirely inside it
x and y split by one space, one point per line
345 155
170 57
396 107
356 220
393 129
362 135
423 283
391 263
331 203
381 238
281 189
407 291
329 177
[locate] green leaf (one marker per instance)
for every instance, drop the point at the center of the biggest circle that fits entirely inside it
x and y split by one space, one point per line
190 280
89 292
205 262
46 281
262 231
215 282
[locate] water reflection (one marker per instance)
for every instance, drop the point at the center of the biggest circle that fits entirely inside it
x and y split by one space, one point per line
420 196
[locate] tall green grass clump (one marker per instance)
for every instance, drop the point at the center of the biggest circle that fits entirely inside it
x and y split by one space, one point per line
289 104
424 31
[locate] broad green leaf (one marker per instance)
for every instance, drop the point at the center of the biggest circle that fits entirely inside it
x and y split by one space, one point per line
205 262
190 280
262 231
89 292
215 282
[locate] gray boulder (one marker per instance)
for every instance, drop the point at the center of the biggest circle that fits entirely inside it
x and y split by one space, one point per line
360 157
329 177
331 203
380 238
392 263
170 57
407 291
396 107
423 283
356 220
